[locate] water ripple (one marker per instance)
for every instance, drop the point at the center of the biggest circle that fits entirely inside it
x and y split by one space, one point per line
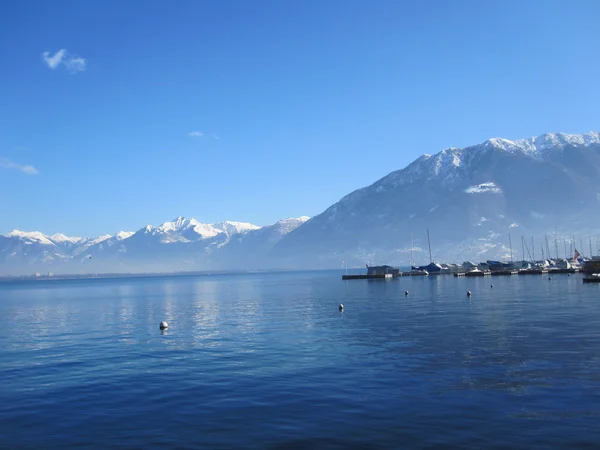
267 361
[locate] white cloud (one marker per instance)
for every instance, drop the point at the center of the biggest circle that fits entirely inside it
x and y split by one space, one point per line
6 163
56 59
73 64
196 134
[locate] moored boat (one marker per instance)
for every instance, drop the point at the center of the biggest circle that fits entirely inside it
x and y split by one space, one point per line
593 278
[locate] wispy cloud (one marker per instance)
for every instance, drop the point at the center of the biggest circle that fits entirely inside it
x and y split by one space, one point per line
74 64
54 60
216 137
6 163
196 134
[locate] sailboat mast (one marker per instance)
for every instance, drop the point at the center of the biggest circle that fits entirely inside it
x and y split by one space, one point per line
572 248
591 252
510 244
429 244
411 249
543 256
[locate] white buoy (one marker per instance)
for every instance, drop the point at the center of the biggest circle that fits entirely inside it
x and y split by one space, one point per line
468 293
406 293
163 325
341 306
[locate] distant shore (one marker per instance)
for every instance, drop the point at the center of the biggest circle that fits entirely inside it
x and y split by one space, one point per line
108 276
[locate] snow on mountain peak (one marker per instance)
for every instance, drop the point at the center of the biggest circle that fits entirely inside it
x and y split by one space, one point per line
30 237
179 223
300 219
97 240
448 166
288 225
124 235
182 229
230 227
59 237
536 147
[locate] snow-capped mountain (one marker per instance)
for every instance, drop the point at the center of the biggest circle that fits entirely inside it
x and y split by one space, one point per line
469 198
253 249
180 244
31 237
182 229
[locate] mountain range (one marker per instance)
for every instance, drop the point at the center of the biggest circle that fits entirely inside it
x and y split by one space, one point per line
470 199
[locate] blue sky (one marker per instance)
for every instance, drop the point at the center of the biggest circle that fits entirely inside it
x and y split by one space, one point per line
297 102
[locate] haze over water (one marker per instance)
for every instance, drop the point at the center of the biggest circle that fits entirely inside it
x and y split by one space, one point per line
268 361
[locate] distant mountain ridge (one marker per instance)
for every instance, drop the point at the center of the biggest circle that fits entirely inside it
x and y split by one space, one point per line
180 244
469 198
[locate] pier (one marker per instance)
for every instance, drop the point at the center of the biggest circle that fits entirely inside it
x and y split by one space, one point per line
563 270
478 273
414 273
535 271
382 276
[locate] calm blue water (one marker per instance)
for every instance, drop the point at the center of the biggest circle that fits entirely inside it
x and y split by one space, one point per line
268 361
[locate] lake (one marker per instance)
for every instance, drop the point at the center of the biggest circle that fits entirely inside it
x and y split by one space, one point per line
268 361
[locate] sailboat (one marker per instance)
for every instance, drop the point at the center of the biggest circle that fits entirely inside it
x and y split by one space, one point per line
415 272
431 268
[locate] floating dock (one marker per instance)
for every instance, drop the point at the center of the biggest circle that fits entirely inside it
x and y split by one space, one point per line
570 270
473 273
594 278
507 272
383 276
478 273
414 273
533 271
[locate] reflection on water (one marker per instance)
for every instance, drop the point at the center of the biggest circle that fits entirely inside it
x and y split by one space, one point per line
267 360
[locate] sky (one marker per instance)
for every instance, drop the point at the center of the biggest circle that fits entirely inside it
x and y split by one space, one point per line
115 115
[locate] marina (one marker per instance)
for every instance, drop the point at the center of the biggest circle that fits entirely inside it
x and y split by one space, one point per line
467 270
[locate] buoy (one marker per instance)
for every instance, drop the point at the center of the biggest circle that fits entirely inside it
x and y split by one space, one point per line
468 293
163 325
341 307
549 278
491 286
406 293
569 275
